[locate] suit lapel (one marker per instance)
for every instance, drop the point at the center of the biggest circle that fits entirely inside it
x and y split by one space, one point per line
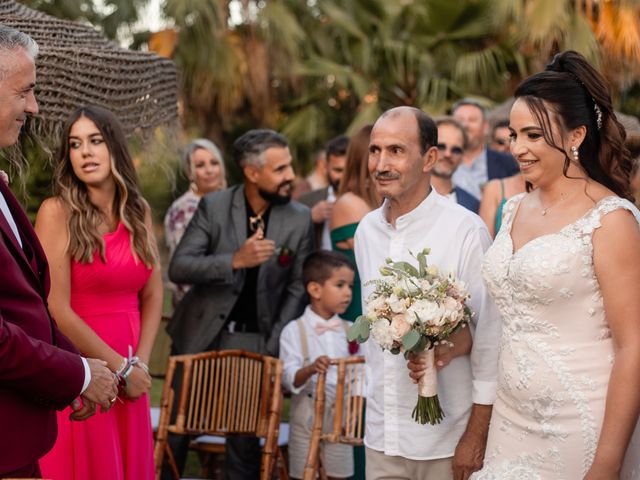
19 218
239 216
276 232
275 229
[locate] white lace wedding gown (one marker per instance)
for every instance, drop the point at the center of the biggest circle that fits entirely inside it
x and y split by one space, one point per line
555 355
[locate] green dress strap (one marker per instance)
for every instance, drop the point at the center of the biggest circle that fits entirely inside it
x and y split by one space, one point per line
341 234
503 201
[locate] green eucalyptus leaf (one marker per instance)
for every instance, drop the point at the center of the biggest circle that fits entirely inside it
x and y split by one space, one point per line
421 345
410 340
363 331
407 268
422 262
353 332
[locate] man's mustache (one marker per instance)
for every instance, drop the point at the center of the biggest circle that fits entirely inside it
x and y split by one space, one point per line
386 175
286 183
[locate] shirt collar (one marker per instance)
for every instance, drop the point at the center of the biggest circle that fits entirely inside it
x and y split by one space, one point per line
314 318
417 213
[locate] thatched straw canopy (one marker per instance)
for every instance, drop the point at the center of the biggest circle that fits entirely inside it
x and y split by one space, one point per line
78 66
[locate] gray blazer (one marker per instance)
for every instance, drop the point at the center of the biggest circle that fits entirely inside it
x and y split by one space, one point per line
203 258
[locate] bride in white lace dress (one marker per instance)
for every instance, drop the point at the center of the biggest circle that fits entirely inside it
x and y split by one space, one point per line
565 271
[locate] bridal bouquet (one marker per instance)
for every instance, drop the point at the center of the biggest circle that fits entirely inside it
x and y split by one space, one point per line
412 310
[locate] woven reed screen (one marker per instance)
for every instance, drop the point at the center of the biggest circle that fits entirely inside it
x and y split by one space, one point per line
77 66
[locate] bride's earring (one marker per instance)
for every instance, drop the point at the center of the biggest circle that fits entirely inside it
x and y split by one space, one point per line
574 152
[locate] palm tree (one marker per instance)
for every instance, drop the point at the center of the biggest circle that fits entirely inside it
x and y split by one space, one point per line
112 16
605 31
364 56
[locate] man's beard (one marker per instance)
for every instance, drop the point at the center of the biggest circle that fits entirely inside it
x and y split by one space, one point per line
335 185
274 198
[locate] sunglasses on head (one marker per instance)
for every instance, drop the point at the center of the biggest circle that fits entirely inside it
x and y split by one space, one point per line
454 150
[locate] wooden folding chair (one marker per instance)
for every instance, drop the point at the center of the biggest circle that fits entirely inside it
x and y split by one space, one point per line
348 419
223 393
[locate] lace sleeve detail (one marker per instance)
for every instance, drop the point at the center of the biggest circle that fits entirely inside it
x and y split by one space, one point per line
509 210
607 205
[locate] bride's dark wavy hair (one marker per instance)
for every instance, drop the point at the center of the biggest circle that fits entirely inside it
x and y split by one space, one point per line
84 216
575 91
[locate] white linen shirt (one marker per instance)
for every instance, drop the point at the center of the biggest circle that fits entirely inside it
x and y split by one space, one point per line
331 343
326 234
457 239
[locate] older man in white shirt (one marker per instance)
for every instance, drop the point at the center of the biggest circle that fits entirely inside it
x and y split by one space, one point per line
402 152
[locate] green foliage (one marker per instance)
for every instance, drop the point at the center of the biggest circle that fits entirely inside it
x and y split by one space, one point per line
359 330
113 15
411 340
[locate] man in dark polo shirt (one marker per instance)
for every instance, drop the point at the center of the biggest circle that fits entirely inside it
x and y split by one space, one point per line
243 253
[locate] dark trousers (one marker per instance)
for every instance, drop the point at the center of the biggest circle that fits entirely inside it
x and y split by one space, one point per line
30 471
242 454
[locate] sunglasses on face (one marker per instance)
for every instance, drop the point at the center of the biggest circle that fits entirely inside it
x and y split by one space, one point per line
454 150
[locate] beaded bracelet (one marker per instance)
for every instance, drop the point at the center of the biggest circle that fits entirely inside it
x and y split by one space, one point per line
122 366
131 362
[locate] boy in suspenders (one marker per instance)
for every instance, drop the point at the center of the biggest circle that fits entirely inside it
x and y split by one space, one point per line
306 345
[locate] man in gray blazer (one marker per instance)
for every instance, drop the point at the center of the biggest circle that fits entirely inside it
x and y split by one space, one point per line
243 253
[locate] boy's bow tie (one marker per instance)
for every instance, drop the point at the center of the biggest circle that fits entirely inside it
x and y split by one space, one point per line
334 324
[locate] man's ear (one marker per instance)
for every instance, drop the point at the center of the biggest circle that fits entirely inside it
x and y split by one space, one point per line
314 289
429 159
251 172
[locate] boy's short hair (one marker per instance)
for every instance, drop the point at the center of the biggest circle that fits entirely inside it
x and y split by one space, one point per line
319 266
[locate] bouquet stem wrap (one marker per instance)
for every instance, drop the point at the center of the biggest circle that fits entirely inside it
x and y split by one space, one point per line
428 409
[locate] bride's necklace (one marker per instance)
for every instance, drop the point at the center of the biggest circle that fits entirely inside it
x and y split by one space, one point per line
563 196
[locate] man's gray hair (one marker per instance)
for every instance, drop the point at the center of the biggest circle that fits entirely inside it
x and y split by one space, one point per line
473 102
206 145
455 124
11 39
249 148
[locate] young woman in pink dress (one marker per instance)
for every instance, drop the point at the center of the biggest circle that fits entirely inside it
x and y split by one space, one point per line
106 294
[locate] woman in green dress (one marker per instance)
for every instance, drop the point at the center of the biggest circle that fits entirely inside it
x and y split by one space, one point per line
356 198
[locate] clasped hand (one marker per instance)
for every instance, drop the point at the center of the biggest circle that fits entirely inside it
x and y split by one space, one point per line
254 251
102 390
138 383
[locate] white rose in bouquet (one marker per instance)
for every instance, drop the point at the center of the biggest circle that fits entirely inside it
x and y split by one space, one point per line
381 333
426 311
397 305
452 309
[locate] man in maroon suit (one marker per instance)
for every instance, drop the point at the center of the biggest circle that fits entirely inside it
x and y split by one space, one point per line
40 370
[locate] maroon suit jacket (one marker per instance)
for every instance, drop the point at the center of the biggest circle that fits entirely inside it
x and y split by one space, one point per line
40 370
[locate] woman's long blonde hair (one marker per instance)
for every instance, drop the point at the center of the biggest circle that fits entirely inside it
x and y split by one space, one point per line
84 216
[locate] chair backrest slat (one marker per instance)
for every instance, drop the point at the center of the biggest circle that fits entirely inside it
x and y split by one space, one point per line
222 392
348 424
